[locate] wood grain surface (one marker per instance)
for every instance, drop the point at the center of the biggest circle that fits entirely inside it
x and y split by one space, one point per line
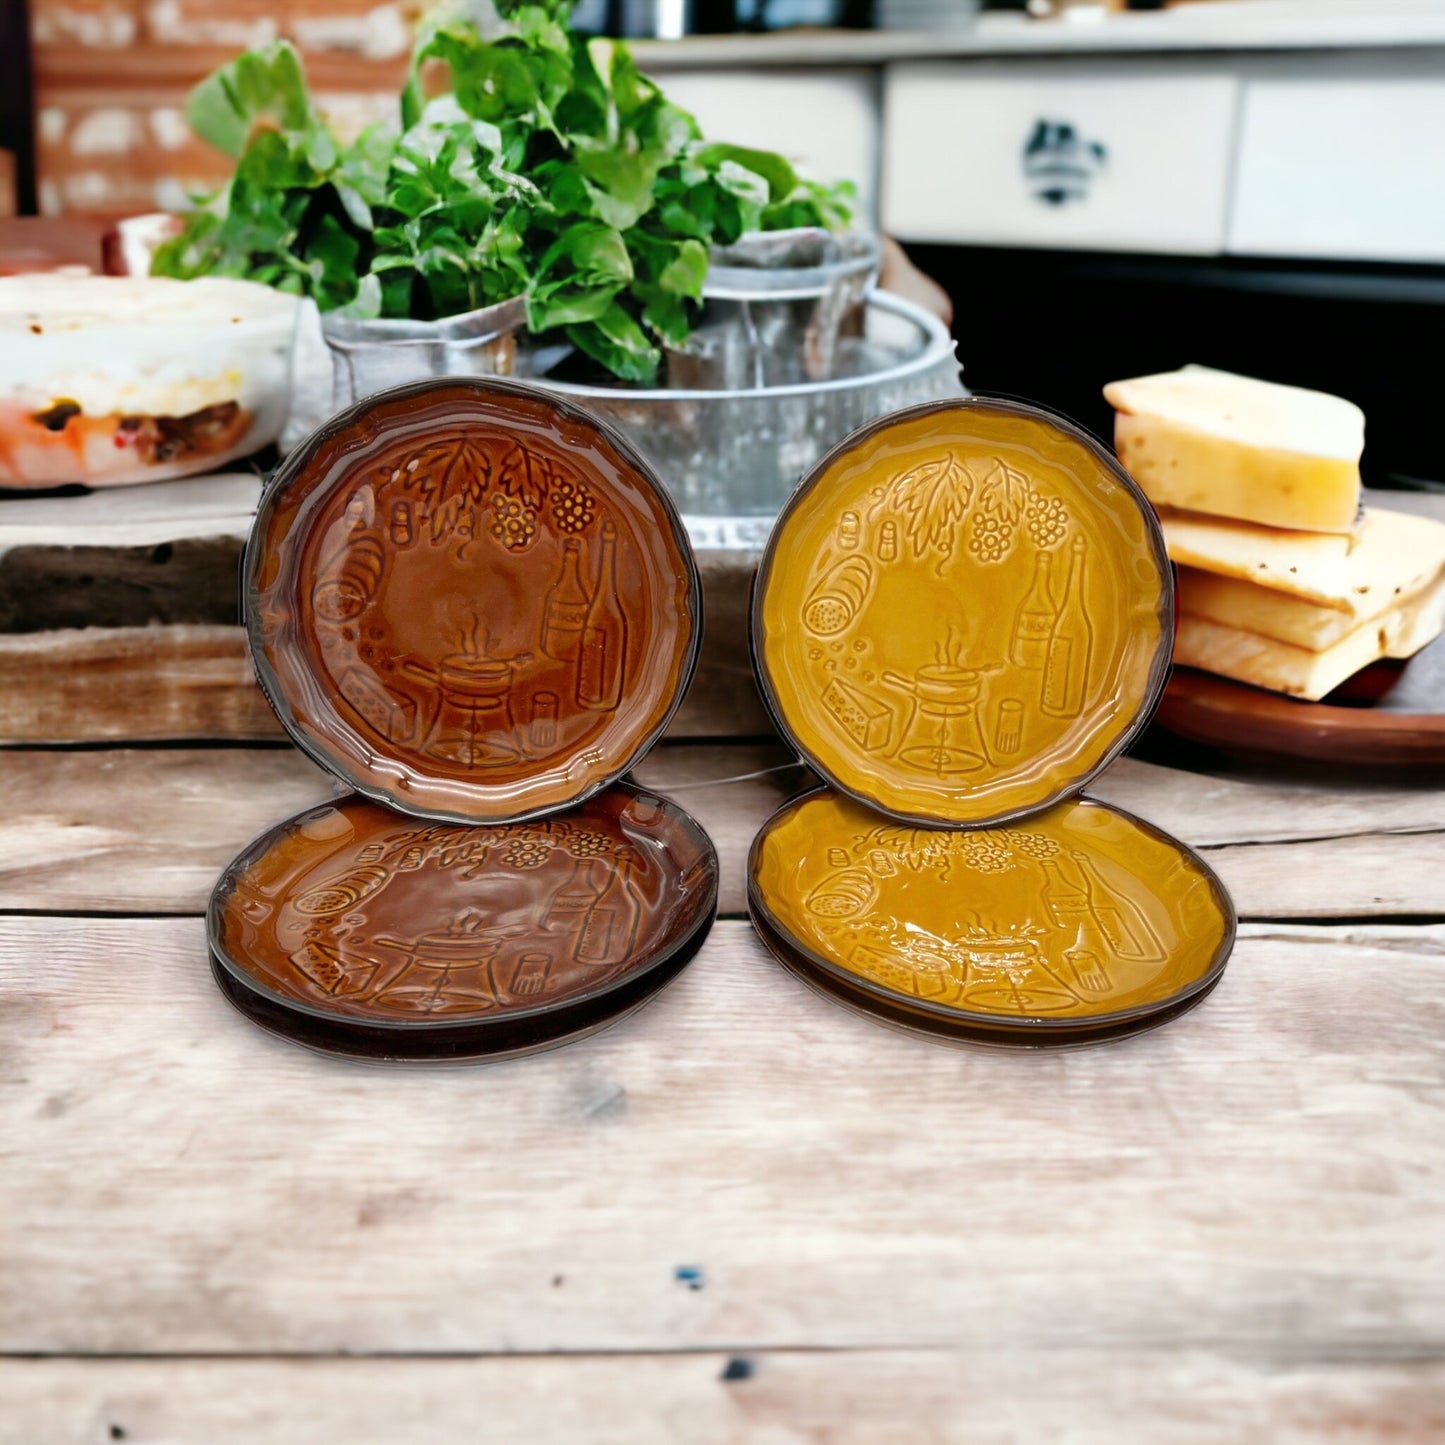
96 684
1263 1177
743 1216
144 830
147 654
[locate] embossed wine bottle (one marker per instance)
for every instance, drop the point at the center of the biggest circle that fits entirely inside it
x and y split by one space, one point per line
610 928
1129 932
572 903
1034 621
604 635
1066 669
565 614
1068 904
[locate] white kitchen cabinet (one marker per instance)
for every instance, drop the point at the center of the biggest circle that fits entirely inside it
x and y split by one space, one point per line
1341 167
1104 156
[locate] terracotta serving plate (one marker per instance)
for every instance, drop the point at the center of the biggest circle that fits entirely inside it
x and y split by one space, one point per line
356 931
471 601
963 613
1081 924
1391 715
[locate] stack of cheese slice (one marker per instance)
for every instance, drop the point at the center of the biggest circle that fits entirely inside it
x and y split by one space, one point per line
1283 581
1300 612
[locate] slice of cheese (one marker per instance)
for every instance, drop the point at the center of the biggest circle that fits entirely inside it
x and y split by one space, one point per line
1253 608
1282 667
1390 556
1211 441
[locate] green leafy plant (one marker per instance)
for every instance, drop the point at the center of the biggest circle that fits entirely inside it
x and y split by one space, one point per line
551 168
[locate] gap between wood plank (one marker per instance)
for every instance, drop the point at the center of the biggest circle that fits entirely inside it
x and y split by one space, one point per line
1244 1350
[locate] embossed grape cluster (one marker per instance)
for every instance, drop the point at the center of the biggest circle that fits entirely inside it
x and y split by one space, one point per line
589 845
1048 520
1032 845
989 536
984 854
513 525
525 853
572 508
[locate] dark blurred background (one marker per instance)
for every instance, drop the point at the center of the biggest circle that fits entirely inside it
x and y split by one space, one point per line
1054 326
92 96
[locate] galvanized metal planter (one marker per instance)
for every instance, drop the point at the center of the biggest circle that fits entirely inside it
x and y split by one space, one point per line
738 453
370 356
777 305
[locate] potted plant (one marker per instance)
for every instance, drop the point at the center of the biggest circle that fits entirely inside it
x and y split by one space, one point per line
542 186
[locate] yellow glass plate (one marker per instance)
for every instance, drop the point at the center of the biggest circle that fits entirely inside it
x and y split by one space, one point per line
1082 921
964 612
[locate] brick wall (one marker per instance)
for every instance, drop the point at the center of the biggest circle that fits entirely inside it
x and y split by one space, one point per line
112 76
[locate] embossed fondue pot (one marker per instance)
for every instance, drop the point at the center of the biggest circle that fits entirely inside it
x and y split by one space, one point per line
963 616
477 606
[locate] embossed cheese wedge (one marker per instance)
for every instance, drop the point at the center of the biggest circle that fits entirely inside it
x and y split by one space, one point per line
1077 925
471 601
963 613
355 930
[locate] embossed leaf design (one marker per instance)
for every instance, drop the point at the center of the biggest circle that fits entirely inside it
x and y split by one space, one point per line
456 469
915 848
522 476
934 499
1004 493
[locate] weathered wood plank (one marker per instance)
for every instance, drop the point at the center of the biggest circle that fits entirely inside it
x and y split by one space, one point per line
1378 876
219 505
97 684
142 830
1256 806
127 557
1263 1177
158 678
841 1398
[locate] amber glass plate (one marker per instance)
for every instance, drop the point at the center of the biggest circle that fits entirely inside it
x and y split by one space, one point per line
357 931
1081 924
471 600
964 612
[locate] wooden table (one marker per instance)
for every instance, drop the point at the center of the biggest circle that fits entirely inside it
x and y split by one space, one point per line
743 1214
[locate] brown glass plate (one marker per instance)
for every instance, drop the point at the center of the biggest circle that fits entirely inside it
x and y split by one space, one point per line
1390 715
963 613
353 930
1082 924
471 601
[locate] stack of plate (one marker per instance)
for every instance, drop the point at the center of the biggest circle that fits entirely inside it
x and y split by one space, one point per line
476 605
963 615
